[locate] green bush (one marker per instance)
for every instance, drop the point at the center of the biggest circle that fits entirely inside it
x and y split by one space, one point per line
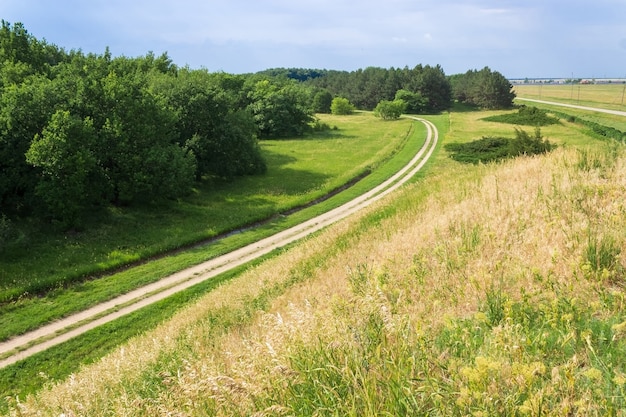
601 131
341 106
528 116
322 101
489 149
390 110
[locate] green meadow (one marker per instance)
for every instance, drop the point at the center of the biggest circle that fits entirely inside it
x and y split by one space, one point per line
488 289
47 276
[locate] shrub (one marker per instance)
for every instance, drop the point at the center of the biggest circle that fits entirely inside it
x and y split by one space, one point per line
488 149
341 106
322 102
529 116
390 110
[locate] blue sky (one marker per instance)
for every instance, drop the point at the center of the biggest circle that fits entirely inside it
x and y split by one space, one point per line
519 38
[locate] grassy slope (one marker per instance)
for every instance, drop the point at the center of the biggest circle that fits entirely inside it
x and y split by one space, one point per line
62 360
300 170
489 290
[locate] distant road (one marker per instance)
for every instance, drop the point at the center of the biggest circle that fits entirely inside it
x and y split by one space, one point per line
573 106
28 344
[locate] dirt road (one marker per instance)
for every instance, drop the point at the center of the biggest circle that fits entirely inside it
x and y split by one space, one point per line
30 343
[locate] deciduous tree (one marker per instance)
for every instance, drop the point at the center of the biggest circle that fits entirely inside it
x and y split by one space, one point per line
65 154
322 101
415 102
280 110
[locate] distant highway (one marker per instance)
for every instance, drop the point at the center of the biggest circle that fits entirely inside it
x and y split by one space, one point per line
573 106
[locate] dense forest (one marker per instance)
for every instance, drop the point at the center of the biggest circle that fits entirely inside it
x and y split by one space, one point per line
79 131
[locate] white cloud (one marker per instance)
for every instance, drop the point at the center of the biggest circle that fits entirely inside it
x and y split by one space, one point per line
509 35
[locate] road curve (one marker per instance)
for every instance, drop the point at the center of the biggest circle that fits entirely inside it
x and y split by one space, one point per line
574 106
28 344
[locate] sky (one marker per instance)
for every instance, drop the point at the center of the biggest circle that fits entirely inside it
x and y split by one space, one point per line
518 38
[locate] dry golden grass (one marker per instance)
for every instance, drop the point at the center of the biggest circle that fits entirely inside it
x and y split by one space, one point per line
519 229
610 96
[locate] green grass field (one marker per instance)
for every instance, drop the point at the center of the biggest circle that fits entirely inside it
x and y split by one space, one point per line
386 152
300 170
478 290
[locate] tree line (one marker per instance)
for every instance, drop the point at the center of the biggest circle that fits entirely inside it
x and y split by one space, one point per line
423 89
79 131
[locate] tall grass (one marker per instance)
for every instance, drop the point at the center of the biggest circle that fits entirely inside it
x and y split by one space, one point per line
474 295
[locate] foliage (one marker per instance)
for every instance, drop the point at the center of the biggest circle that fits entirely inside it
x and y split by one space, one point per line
22 55
365 88
280 110
322 101
482 150
212 126
320 126
525 115
299 74
65 154
235 149
138 143
7 231
433 85
24 110
485 89
605 132
299 172
416 103
390 110
78 132
488 149
341 106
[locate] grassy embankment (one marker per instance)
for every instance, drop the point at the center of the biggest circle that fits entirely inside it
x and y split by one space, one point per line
480 290
299 170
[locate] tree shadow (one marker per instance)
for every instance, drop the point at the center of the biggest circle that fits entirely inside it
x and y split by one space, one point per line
315 135
459 107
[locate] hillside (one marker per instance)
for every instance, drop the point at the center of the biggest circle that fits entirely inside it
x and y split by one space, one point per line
483 290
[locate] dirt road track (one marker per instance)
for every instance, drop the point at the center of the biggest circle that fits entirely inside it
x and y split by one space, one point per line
36 341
